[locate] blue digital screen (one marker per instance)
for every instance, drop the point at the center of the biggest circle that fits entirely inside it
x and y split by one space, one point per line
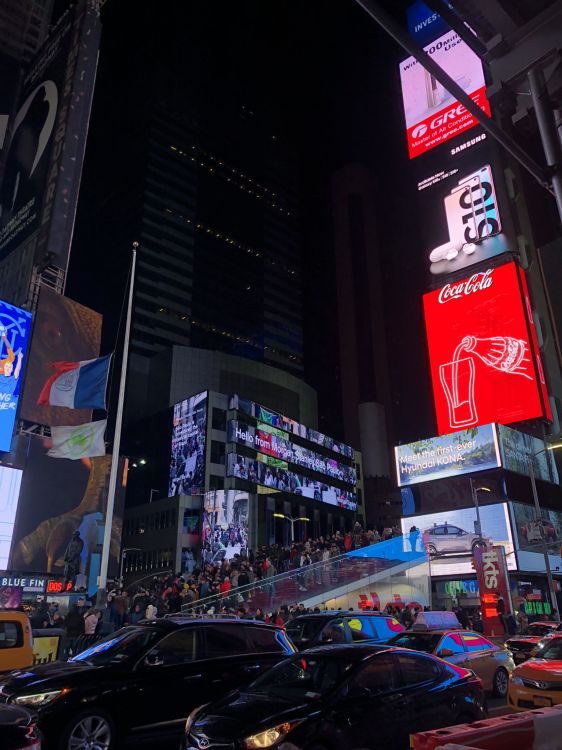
424 25
15 329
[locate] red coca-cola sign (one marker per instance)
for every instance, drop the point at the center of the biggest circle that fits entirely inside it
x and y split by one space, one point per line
483 351
493 584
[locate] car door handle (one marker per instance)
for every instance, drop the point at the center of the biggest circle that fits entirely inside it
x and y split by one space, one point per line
192 677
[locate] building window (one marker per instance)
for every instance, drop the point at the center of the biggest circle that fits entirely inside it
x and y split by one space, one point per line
219 419
217 452
216 483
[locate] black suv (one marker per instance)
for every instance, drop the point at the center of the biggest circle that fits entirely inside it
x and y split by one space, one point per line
143 680
342 627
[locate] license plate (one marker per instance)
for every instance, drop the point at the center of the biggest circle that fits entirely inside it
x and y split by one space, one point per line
540 701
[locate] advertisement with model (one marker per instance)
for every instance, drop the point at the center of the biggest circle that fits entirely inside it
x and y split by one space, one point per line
460 452
15 330
432 115
450 537
273 473
484 358
187 464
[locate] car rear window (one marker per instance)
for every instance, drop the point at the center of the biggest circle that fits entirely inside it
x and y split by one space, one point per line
417 641
476 642
305 629
225 640
361 628
386 627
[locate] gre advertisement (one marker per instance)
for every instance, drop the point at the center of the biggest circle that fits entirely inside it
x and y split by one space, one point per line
459 452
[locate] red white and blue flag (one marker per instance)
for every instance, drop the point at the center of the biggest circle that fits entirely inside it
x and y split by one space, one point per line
77 385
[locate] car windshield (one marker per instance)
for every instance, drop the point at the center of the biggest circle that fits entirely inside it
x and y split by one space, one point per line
418 641
305 629
553 650
304 678
128 643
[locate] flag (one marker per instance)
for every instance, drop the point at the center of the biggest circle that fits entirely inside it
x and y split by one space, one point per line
82 441
77 385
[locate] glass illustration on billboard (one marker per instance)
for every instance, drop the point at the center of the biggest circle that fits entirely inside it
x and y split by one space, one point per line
260 413
279 478
15 329
450 537
273 442
503 353
225 525
187 464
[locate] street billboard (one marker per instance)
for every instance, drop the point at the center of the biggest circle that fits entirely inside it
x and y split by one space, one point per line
274 474
450 537
461 452
529 530
432 115
225 524
187 464
57 498
15 330
10 483
273 442
484 358
64 331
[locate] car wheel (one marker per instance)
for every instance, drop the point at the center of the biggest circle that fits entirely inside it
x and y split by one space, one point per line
89 729
431 549
501 682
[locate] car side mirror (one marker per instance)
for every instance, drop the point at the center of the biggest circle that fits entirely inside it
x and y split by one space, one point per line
444 653
152 660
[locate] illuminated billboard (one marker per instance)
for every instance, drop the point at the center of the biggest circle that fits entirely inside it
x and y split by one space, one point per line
432 115
273 442
225 524
450 536
15 328
259 412
10 482
64 331
187 464
460 452
485 364
517 448
528 533
274 474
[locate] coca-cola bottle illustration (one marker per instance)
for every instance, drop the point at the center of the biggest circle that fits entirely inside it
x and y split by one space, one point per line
502 353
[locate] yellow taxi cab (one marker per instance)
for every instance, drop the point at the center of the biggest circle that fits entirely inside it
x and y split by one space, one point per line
16 641
441 634
537 683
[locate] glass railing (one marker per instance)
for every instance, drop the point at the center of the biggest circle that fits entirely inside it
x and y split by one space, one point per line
319 581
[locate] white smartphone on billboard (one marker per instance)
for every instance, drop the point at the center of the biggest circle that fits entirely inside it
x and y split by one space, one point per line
459 210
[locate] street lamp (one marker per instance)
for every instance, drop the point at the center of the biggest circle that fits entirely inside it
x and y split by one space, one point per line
530 457
123 554
292 522
474 491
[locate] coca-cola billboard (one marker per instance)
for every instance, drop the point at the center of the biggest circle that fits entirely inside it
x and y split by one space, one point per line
433 116
483 351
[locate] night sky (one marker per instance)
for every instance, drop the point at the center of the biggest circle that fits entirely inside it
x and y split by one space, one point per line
329 77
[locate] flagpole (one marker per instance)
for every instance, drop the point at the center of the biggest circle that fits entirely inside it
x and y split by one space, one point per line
102 579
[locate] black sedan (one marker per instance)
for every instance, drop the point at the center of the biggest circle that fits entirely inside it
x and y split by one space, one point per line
17 729
339 698
142 681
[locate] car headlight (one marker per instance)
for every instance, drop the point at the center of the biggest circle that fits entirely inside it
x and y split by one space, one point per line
37 700
516 680
269 737
192 716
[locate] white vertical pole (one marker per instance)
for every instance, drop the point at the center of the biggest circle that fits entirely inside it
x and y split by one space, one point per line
102 580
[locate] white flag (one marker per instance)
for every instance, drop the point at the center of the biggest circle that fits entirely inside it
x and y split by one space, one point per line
81 441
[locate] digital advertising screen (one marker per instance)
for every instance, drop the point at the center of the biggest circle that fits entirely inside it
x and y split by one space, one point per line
266 416
10 483
273 442
64 331
15 330
273 473
432 115
528 532
485 364
450 537
187 465
460 452
517 448
225 524
424 24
